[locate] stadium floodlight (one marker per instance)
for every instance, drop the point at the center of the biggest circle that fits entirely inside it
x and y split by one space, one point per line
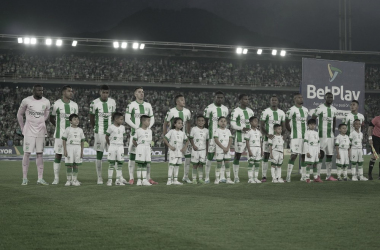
282 53
135 45
245 51
33 40
239 50
74 43
26 40
58 42
142 46
124 45
48 41
116 45
259 51
274 52
19 40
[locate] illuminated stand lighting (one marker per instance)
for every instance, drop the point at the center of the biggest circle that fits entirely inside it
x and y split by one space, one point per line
135 45
259 51
33 40
274 52
58 42
245 51
124 45
26 40
20 40
116 45
48 41
142 46
74 44
282 53
239 50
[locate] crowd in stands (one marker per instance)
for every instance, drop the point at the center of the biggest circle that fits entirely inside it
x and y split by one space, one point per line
88 67
127 69
161 100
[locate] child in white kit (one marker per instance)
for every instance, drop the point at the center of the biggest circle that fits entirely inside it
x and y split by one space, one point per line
175 139
342 145
142 140
255 149
199 141
276 149
114 138
223 141
356 156
73 144
312 151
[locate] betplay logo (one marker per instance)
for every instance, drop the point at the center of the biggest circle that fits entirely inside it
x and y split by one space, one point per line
333 72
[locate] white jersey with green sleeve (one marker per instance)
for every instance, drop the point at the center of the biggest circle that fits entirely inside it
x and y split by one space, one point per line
116 135
62 111
143 136
212 113
239 120
343 142
356 139
298 121
253 137
73 136
325 116
136 110
103 114
349 121
184 114
200 137
270 118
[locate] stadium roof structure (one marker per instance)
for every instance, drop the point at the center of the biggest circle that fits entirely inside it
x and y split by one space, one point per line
99 45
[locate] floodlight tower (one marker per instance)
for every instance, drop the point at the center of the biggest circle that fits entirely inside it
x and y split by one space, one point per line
345 25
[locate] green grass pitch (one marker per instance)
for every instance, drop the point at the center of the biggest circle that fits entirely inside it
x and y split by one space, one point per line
296 215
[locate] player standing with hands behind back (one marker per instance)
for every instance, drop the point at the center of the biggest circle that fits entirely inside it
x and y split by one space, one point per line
240 122
101 110
269 117
326 115
133 114
59 117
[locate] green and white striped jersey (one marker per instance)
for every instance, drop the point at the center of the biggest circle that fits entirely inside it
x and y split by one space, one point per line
298 121
62 111
272 117
325 116
103 114
239 120
184 114
136 110
212 113
349 121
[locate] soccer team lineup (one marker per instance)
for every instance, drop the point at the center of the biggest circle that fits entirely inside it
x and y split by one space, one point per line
198 140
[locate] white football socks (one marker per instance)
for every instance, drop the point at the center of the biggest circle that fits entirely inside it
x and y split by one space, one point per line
131 169
98 164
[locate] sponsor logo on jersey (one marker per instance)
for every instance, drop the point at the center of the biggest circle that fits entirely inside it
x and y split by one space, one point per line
36 114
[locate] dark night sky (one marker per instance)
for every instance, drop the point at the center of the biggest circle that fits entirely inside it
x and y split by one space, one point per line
311 22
